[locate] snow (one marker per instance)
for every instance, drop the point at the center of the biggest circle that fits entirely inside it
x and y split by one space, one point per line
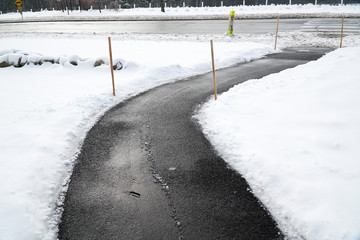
294 137
47 109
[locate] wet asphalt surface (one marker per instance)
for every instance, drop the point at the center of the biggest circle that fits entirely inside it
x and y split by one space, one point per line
153 27
146 171
244 26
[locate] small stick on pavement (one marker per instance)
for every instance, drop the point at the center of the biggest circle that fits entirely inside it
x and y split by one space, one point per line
213 66
277 29
111 66
342 30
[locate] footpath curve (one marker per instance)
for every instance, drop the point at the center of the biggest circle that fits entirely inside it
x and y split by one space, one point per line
146 171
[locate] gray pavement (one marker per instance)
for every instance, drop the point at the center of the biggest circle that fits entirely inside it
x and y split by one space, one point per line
254 26
146 171
153 27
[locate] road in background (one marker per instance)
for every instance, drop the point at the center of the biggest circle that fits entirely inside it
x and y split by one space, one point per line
261 26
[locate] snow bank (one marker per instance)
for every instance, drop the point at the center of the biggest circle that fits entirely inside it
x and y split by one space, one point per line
46 111
270 11
20 58
294 137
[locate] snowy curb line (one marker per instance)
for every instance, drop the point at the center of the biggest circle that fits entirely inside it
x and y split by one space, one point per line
20 59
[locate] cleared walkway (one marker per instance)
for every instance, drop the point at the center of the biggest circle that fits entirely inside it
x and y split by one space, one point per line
147 172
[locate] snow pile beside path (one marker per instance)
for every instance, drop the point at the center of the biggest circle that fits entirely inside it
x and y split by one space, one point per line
295 137
262 11
45 112
21 58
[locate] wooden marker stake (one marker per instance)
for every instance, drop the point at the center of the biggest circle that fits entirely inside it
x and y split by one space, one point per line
342 30
111 66
277 29
213 66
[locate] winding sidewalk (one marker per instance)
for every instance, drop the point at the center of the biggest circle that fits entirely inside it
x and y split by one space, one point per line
147 172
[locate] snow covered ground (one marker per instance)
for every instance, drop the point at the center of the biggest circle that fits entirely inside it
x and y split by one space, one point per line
47 109
270 11
295 137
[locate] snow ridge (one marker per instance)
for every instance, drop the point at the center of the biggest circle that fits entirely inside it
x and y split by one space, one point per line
18 58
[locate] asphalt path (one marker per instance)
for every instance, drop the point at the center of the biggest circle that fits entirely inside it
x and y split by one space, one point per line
254 26
146 171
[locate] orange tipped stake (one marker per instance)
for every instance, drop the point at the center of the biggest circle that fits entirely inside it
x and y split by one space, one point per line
213 67
277 30
342 31
111 66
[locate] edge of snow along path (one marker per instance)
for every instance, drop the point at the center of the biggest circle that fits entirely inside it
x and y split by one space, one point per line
46 111
146 171
294 137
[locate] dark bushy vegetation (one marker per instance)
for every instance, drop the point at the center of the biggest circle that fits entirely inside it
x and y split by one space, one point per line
37 5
